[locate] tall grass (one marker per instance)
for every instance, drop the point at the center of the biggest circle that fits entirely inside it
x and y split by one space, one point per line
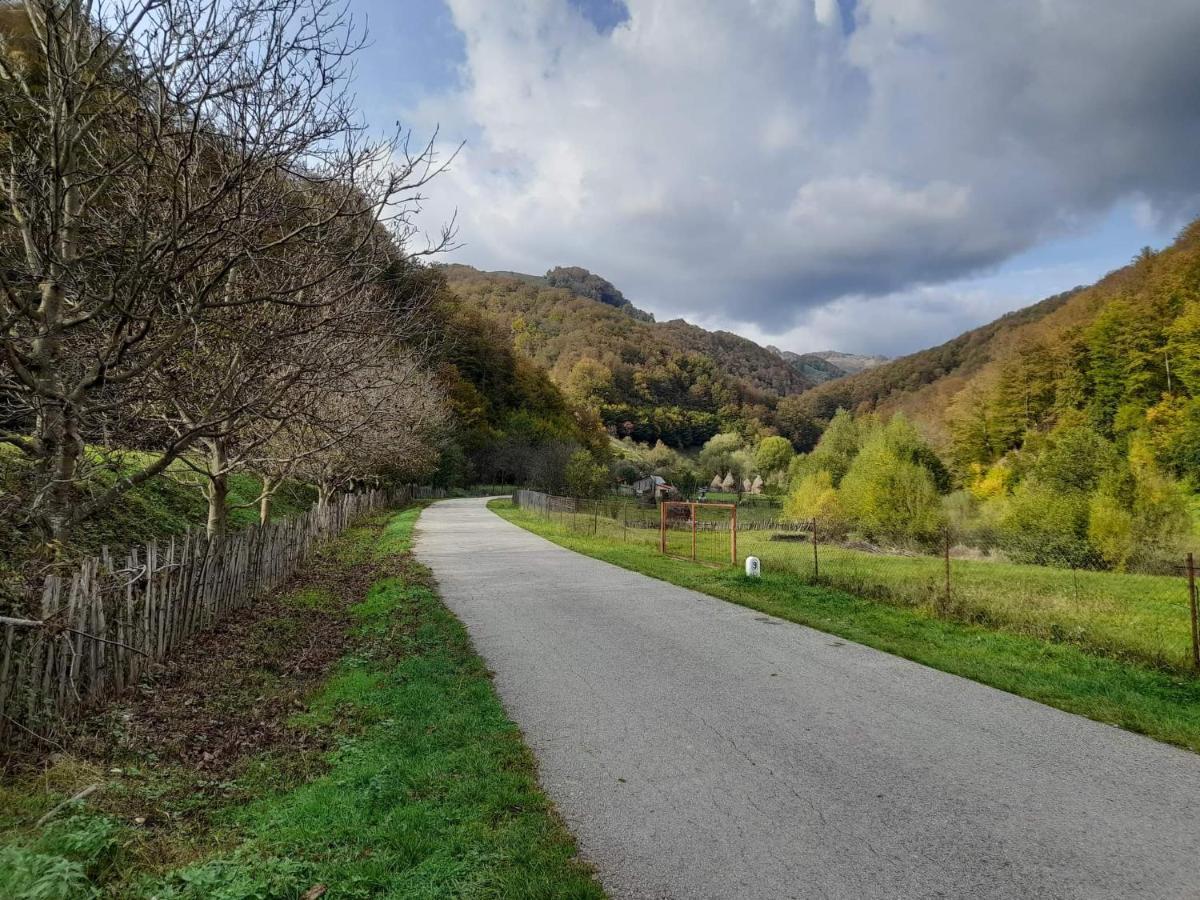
1140 618
1072 675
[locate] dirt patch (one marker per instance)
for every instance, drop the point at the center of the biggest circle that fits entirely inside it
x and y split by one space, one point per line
185 734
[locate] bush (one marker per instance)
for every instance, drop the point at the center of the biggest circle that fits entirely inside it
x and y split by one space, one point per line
893 499
1048 528
815 498
584 476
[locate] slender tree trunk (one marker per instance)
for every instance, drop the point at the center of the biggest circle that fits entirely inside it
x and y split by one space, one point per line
217 489
57 427
325 491
269 486
64 447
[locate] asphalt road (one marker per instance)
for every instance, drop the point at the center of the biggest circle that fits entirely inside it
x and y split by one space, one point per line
699 749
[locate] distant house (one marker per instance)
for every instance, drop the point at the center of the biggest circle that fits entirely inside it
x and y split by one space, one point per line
655 486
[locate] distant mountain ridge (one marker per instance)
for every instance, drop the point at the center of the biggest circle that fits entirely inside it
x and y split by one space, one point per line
827 365
850 363
561 325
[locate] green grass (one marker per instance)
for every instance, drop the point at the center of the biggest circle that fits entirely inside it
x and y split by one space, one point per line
430 791
1162 704
1137 618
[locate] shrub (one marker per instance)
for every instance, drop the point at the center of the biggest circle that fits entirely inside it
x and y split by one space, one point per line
815 497
1048 527
584 476
890 498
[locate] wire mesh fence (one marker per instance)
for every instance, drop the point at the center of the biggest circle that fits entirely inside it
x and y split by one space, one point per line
1143 618
702 532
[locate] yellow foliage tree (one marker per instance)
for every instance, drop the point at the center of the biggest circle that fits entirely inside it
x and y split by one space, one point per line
815 498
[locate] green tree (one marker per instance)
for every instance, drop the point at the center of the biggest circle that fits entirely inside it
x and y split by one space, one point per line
814 497
1183 349
585 477
1047 527
590 382
794 423
1074 460
835 451
773 456
888 497
660 458
719 455
1138 516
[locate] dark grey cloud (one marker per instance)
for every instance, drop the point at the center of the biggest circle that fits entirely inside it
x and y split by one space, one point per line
758 162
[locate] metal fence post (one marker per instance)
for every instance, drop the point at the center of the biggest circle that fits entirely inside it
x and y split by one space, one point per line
816 562
693 532
1192 600
733 537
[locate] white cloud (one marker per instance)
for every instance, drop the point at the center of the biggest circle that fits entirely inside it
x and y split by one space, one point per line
751 163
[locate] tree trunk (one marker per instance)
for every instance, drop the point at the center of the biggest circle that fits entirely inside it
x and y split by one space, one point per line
65 450
217 489
325 493
269 486
57 428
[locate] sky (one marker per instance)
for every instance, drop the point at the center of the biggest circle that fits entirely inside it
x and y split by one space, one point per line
871 176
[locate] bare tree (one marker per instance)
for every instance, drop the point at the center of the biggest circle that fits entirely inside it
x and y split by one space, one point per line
383 420
164 163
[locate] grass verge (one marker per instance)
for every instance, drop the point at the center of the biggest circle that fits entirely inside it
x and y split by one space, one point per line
395 772
1158 703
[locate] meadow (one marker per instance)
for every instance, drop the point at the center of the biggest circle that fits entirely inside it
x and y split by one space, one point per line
1072 672
1139 618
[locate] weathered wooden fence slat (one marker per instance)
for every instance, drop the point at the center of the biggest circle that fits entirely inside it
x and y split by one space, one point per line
101 625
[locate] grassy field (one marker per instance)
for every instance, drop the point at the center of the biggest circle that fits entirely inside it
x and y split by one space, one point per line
395 773
1139 618
1065 673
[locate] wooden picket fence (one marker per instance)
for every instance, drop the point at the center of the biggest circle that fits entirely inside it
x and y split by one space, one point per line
104 624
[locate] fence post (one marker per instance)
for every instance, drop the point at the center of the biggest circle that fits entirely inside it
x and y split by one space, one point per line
1192 600
816 562
947 548
662 528
733 537
693 532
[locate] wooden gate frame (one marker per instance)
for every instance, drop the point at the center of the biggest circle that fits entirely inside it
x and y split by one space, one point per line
693 506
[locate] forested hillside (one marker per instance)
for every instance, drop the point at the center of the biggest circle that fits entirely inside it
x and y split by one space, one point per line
1073 425
669 381
933 372
1113 352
